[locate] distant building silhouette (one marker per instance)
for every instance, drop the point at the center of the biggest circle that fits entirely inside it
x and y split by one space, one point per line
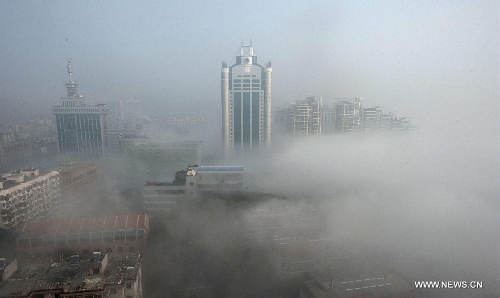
311 117
81 129
303 117
246 103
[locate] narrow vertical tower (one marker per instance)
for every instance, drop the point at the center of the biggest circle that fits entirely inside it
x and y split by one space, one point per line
268 101
70 85
225 107
246 91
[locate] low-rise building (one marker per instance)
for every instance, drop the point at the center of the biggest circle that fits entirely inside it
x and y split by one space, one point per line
356 281
98 276
115 234
28 195
194 181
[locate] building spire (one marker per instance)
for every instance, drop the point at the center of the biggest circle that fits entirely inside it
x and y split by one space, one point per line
70 71
71 85
246 50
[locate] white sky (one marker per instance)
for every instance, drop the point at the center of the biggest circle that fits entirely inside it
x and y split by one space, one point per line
435 61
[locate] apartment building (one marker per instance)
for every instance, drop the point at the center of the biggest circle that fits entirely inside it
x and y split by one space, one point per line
28 195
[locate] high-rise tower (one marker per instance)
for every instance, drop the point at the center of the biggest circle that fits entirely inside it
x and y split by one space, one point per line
246 103
81 129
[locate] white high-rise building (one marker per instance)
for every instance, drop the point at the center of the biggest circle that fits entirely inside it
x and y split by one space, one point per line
246 103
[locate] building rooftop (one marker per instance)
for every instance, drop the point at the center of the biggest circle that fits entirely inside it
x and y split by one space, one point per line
19 179
75 274
83 225
356 280
69 166
220 169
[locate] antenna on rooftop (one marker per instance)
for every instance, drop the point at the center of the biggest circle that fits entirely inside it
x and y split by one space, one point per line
70 71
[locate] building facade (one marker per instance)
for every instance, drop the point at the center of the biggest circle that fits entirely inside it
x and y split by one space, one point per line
303 117
27 195
194 181
246 103
124 115
77 176
117 234
81 129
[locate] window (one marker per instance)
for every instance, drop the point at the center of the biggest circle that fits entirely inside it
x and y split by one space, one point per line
128 285
120 249
112 291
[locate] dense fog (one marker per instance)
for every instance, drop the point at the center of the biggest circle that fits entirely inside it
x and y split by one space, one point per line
421 202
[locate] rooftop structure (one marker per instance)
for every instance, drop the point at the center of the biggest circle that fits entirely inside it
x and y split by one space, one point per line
163 196
113 234
77 276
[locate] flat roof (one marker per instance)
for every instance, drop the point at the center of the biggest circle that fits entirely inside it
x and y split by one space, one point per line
72 166
9 185
64 277
220 169
83 225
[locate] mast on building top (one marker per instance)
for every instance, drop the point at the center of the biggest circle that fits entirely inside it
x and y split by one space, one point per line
71 85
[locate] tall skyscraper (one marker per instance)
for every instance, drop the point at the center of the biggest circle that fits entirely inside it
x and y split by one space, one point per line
246 103
81 129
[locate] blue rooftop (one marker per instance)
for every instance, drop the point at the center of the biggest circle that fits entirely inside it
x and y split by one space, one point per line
208 169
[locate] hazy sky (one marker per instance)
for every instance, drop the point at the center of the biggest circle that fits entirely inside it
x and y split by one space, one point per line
416 58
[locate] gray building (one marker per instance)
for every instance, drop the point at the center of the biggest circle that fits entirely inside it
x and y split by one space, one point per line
344 116
303 117
246 103
81 128
194 181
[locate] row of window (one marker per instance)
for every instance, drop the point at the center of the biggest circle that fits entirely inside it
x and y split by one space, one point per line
236 81
78 110
120 249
